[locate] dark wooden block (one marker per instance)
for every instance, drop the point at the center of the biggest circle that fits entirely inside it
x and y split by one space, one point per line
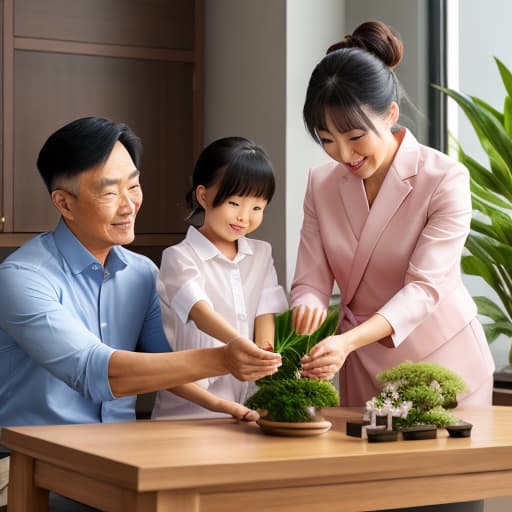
418 432
381 435
354 428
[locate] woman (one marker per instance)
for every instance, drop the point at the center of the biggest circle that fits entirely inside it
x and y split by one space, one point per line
386 219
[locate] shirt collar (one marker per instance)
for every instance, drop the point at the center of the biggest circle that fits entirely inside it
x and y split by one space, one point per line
78 257
206 250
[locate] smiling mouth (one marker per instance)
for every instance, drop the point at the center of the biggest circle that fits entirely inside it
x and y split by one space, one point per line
356 165
236 228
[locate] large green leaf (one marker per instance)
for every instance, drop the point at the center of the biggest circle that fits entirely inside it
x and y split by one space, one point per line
490 132
506 76
490 309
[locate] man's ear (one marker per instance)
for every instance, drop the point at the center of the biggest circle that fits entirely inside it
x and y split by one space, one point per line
201 196
62 201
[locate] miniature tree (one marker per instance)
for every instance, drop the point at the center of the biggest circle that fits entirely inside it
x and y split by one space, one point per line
429 388
285 395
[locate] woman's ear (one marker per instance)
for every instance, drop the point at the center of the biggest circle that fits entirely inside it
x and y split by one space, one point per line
62 200
393 113
201 196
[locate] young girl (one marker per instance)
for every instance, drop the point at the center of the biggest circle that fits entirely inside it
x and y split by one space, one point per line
218 285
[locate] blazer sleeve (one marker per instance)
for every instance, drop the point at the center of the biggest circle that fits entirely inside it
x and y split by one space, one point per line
434 267
313 280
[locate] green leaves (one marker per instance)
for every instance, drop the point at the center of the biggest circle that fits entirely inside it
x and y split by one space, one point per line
293 346
489 243
285 396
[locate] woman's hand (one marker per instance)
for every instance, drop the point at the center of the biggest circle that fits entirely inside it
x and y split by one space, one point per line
325 358
306 320
246 361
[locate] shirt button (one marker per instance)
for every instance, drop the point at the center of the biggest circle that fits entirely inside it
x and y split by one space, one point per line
241 317
103 325
95 267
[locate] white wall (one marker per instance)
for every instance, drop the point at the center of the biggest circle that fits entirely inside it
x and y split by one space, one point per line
408 18
312 26
484 32
245 91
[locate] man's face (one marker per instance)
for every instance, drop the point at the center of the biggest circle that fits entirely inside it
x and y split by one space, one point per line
103 212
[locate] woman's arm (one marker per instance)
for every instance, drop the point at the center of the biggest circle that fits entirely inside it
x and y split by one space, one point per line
204 398
328 356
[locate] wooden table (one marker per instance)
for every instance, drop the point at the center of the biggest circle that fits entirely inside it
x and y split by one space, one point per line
224 466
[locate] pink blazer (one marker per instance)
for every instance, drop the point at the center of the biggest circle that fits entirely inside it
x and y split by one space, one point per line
401 258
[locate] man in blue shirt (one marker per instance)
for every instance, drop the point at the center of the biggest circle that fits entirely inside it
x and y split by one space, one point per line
80 326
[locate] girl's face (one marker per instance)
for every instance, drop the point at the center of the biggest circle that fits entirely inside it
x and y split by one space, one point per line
363 152
237 216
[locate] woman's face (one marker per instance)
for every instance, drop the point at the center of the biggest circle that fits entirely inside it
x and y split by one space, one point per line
364 152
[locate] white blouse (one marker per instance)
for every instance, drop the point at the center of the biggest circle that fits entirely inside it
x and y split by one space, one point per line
239 290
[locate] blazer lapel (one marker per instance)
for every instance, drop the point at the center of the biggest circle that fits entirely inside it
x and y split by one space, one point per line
395 188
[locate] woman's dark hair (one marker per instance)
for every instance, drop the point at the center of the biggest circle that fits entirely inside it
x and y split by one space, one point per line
238 166
82 145
357 72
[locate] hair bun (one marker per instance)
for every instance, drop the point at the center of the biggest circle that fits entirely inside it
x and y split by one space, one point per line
377 38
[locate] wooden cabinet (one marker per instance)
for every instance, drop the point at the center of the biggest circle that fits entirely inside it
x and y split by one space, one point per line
133 61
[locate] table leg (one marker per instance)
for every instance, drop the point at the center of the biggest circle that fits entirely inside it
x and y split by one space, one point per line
163 501
23 495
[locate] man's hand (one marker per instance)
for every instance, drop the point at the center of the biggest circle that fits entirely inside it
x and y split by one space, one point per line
248 362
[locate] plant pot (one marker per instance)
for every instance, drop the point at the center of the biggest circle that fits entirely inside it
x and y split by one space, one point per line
461 429
294 429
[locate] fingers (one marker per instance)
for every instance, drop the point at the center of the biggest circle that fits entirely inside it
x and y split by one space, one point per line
306 320
247 362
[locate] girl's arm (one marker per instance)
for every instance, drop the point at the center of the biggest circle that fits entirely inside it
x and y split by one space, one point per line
211 323
264 331
204 398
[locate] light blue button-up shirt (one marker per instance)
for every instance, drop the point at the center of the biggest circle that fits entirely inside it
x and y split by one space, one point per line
62 315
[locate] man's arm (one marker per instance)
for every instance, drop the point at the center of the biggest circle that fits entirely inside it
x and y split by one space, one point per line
132 373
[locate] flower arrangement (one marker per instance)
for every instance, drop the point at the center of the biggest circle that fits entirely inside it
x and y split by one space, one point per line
286 396
417 393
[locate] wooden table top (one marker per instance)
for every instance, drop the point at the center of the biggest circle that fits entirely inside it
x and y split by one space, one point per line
202 454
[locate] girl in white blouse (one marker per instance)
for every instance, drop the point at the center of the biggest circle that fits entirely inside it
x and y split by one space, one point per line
217 285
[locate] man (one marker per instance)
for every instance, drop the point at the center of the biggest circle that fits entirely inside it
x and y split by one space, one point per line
80 326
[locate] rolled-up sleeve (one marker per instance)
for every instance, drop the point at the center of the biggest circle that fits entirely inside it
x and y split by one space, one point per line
31 314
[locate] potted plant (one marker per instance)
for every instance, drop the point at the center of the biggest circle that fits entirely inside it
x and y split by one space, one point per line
489 243
415 400
286 401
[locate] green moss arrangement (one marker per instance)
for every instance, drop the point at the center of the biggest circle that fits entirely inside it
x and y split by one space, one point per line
425 390
285 396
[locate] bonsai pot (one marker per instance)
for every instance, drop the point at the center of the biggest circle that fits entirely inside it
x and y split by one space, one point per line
418 432
461 429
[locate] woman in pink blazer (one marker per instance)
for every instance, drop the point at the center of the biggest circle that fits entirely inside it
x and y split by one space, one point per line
386 220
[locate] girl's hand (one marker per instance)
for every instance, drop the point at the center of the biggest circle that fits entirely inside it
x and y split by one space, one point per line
325 358
246 361
306 320
238 411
